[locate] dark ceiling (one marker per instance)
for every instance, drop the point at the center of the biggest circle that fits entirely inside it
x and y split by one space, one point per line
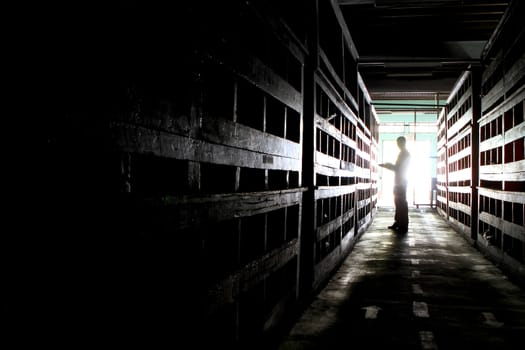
411 48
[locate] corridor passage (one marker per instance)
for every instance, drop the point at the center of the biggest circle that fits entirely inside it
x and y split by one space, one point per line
428 289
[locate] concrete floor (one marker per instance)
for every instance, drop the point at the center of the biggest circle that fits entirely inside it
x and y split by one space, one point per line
428 289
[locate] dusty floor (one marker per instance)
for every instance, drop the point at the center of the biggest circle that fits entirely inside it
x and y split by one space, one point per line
428 289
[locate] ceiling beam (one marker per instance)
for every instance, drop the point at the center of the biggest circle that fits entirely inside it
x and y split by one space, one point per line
356 2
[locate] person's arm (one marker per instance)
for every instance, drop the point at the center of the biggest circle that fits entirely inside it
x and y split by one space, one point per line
388 166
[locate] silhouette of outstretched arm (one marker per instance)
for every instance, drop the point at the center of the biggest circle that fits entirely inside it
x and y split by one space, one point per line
388 166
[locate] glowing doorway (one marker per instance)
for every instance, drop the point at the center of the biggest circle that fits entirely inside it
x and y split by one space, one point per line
419 174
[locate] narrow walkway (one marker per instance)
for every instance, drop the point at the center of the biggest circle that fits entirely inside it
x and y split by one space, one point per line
428 289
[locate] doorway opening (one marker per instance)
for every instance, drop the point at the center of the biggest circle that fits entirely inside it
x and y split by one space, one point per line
419 191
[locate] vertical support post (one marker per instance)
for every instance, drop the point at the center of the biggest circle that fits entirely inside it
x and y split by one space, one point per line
308 217
415 137
437 162
474 183
446 160
125 172
194 176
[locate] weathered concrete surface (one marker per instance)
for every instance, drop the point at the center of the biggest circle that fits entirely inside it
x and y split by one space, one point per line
428 289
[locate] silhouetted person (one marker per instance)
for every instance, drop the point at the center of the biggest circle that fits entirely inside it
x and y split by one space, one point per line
400 186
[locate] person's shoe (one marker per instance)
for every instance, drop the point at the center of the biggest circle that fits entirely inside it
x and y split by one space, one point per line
393 227
402 230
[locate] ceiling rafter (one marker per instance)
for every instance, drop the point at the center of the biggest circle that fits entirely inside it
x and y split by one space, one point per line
427 43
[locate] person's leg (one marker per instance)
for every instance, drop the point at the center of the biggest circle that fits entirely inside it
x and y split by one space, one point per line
401 208
395 225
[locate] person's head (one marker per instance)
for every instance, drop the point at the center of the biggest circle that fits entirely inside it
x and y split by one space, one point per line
401 142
